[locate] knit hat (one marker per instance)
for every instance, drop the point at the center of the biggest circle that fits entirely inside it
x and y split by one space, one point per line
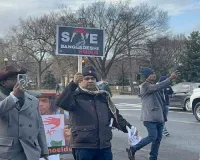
146 72
90 71
162 78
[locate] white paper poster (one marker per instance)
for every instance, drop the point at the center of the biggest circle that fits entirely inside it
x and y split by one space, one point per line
54 129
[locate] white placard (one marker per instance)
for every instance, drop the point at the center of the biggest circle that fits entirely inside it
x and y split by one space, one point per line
54 129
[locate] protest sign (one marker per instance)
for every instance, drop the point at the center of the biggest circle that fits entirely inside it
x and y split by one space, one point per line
79 41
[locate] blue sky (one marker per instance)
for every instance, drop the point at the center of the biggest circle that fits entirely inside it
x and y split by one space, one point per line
185 22
184 14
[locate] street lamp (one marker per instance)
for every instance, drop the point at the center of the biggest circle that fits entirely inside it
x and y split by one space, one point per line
5 61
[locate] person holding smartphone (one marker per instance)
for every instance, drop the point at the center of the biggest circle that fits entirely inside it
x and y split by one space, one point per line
152 112
22 135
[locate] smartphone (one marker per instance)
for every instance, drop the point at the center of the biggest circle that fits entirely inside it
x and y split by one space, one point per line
179 68
22 79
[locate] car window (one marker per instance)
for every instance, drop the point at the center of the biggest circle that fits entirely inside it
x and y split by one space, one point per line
176 87
181 88
197 85
185 87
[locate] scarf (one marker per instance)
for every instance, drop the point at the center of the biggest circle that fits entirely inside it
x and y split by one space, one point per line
111 105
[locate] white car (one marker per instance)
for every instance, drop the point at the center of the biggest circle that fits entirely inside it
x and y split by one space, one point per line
195 103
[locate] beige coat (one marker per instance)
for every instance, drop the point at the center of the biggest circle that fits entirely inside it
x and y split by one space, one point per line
22 135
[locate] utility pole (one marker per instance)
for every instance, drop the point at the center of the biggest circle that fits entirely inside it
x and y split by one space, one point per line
80 68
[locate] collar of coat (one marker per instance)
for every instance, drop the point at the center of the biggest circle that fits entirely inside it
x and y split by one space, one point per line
27 101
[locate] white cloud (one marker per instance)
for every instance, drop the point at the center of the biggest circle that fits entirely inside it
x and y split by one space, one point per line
173 7
12 10
197 28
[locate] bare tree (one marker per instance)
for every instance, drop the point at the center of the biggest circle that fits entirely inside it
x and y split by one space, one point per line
163 54
126 29
34 42
5 56
119 20
124 68
65 64
26 39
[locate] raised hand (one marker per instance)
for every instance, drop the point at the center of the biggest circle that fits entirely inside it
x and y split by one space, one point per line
174 75
78 77
17 91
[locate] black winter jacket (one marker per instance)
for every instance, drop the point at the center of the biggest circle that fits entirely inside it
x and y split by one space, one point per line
90 118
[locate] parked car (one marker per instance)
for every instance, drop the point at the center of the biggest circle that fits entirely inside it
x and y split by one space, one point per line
195 103
181 96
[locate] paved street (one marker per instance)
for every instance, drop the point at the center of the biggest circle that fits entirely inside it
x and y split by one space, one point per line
183 143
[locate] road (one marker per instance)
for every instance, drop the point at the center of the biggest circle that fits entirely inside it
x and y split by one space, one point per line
182 144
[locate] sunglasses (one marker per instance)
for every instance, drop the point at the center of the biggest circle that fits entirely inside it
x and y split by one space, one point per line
88 78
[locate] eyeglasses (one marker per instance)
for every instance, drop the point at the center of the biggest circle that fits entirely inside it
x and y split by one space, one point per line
89 78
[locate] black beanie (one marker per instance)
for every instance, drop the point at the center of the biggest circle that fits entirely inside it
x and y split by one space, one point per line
90 71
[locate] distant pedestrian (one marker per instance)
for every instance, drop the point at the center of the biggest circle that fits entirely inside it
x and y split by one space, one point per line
57 89
166 92
152 112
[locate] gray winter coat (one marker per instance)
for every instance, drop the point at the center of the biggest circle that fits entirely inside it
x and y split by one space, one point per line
152 102
22 135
